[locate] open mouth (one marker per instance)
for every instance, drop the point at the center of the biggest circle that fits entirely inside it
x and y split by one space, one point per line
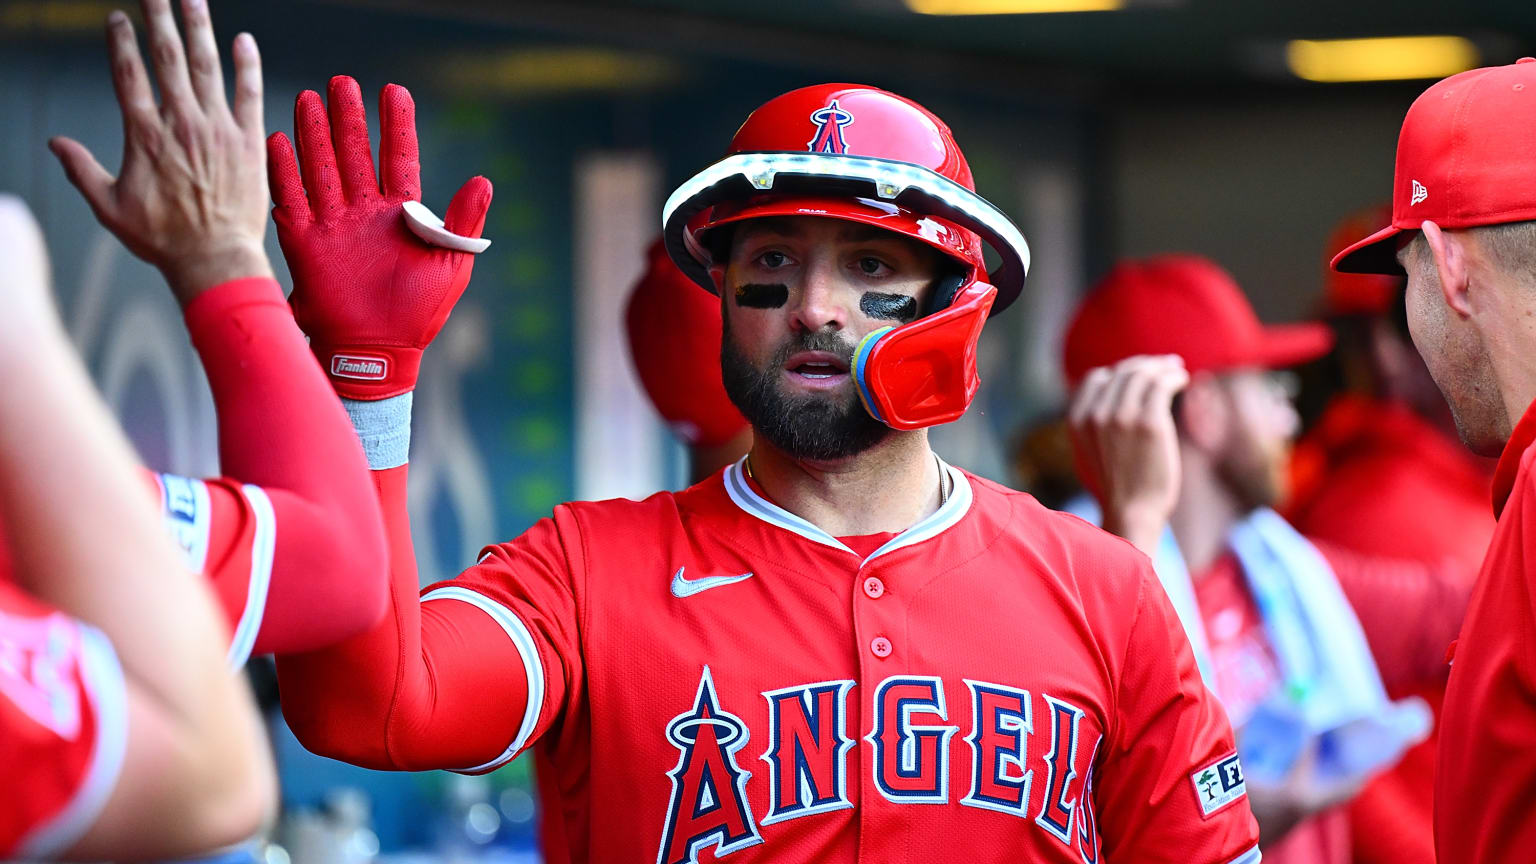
816 366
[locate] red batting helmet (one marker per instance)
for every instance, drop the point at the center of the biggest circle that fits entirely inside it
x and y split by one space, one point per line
864 155
674 340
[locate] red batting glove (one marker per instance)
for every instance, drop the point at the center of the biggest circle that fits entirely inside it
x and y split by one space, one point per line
370 294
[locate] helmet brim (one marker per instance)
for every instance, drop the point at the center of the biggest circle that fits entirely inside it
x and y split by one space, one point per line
939 234
789 176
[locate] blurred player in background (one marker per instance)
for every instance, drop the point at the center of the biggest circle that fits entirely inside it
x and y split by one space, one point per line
288 535
1463 229
122 733
1183 432
838 601
674 342
1381 473
192 204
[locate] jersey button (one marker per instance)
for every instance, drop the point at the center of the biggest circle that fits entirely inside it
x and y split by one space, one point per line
881 646
874 587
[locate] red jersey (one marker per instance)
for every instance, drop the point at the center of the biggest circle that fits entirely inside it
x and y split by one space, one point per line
710 675
63 726
1485 794
227 531
1390 483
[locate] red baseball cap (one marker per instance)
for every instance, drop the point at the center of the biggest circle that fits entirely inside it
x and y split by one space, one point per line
674 339
1184 305
1466 157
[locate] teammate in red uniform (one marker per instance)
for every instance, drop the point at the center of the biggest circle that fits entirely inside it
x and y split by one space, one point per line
674 338
1301 635
926 665
1462 228
1387 477
299 545
121 731
293 527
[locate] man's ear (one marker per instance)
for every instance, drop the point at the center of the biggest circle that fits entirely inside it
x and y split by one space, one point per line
1450 256
1203 412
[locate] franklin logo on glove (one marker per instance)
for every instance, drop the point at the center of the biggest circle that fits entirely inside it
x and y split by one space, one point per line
361 368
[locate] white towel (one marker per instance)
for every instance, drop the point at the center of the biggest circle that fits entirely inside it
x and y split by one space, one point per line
1332 690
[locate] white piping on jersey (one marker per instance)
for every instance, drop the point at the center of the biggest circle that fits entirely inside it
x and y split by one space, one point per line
102 676
263 546
533 667
948 514
1252 856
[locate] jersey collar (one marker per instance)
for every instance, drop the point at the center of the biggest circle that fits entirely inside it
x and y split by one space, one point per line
1509 462
757 506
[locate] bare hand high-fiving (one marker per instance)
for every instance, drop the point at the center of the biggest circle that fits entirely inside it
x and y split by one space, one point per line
191 196
1122 426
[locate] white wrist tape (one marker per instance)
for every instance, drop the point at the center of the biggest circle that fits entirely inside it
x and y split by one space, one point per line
384 428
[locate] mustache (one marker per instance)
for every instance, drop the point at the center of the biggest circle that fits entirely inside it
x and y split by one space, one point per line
821 340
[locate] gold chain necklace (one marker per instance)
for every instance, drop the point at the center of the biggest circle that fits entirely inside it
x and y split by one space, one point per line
944 487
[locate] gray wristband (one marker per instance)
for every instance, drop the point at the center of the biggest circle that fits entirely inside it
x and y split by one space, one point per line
384 428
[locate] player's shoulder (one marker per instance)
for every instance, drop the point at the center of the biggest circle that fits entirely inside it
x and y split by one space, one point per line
706 497
1025 520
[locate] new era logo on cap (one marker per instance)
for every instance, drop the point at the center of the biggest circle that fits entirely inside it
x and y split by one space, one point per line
360 368
1419 193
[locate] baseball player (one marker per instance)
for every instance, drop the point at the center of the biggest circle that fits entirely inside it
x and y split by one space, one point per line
294 527
1387 477
108 758
1302 638
121 731
1462 230
837 648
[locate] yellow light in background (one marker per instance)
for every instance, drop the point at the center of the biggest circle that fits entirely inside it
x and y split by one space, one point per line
1392 58
1010 7
55 16
552 71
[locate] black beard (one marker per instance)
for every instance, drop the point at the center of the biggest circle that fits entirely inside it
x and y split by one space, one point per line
813 428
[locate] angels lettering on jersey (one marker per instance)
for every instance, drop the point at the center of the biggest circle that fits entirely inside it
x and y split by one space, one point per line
810 752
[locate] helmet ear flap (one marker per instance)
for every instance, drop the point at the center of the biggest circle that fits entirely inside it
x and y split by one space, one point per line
944 291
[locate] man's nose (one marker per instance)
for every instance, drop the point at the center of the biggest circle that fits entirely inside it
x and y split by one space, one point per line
821 303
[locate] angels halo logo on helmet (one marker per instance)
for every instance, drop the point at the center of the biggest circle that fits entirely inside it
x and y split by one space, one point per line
902 171
829 129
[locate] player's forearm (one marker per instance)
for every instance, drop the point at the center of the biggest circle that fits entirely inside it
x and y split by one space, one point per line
182 791
280 424
281 428
411 693
84 535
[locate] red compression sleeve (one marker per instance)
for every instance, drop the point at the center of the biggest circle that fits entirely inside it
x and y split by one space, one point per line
282 428
431 686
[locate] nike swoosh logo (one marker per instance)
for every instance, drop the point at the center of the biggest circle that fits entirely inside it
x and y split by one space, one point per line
688 587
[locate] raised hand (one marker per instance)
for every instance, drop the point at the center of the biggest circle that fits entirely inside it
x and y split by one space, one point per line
1122 426
370 293
192 192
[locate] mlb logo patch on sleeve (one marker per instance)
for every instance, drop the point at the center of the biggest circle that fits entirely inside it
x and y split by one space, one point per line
1219 784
